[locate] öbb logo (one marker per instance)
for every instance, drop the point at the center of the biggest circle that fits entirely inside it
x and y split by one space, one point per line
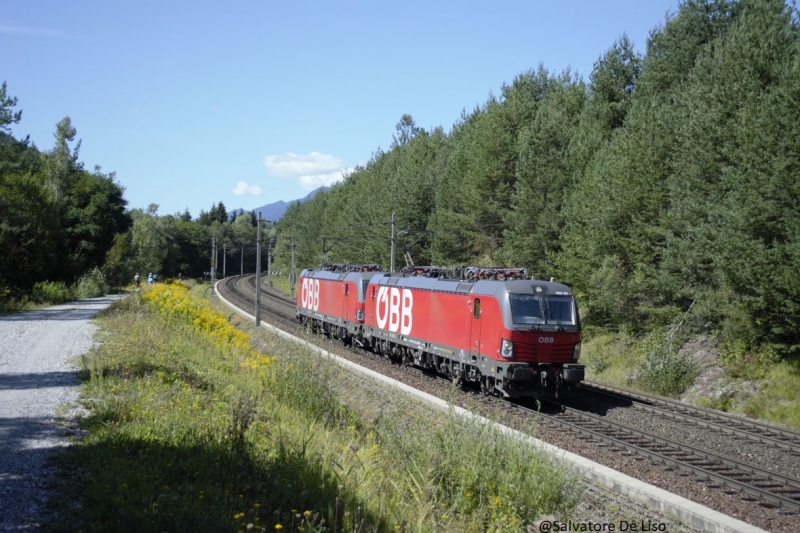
309 294
394 307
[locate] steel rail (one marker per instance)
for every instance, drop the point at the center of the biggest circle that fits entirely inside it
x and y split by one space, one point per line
710 416
704 423
230 286
726 460
701 467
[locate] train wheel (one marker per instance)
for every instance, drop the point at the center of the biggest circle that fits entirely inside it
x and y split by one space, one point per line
344 336
487 386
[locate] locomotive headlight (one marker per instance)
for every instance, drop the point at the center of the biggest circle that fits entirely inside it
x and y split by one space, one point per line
576 354
507 349
360 314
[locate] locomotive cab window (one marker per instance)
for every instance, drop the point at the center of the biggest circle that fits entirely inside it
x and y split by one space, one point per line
560 310
476 312
526 308
535 309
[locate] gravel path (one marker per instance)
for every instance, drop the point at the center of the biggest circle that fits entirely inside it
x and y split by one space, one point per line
38 388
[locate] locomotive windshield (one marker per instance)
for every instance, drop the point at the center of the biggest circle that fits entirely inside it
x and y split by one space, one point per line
537 309
560 310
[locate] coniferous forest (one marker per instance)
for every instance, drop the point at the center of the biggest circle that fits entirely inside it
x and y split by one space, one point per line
663 189
666 187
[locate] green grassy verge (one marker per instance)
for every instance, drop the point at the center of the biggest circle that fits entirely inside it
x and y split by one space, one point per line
281 283
778 400
651 365
185 432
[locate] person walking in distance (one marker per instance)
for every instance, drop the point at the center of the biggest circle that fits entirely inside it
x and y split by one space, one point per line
136 280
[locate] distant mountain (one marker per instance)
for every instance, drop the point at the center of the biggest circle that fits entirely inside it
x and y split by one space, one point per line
275 211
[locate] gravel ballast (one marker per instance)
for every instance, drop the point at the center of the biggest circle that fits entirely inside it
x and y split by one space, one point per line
39 382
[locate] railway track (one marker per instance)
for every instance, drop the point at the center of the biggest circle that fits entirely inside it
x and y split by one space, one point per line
732 477
240 290
763 433
711 468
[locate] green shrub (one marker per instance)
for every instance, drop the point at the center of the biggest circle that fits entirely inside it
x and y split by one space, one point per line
92 284
599 364
52 292
662 370
742 356
11 302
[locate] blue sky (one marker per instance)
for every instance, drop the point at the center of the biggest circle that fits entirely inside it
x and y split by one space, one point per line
251 102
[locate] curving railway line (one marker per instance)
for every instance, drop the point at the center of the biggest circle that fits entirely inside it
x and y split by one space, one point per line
738 466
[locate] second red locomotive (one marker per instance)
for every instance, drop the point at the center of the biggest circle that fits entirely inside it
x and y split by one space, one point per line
512 336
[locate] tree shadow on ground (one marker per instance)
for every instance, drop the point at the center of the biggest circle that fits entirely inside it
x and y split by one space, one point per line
137 485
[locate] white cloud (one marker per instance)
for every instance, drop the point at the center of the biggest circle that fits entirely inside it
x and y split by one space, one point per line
315 181
312 170
289 165
242 188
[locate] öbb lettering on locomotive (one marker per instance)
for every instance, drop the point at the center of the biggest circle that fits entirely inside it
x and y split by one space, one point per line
507 334
394 309
309 293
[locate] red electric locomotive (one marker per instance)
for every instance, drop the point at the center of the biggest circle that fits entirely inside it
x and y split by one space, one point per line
330 299
511 335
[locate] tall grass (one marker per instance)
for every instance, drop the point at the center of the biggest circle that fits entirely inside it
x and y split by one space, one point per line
281 283
91 284
52 292
650 363
189 433
779 399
